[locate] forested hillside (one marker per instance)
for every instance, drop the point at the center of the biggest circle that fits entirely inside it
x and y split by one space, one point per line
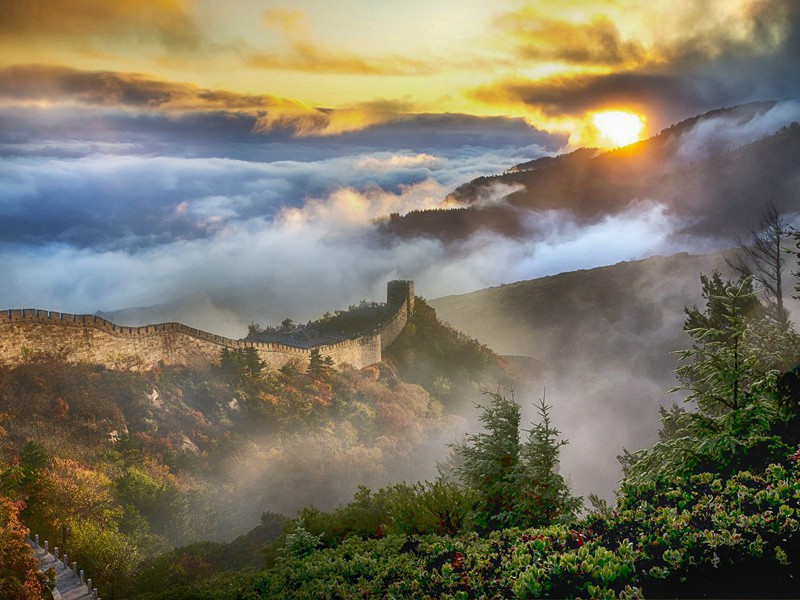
120 466
711 510
709 184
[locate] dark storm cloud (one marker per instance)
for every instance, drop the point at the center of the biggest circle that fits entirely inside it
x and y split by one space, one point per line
165 108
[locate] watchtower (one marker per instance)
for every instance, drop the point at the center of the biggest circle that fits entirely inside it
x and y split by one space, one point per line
399 291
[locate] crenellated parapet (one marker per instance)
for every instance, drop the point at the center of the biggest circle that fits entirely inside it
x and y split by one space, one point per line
91 338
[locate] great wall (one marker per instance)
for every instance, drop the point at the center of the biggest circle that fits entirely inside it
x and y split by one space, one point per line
93 339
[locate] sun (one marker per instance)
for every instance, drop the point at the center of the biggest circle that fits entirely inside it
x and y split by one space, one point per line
617 127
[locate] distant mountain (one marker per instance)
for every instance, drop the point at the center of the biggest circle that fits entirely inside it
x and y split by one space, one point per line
546 162
716 170
605 337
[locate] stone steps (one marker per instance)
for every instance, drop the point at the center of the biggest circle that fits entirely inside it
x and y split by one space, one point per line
69 583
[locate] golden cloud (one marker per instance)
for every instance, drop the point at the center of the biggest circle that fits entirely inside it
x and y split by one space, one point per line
658 34
50 84
167 20
597 42
304 54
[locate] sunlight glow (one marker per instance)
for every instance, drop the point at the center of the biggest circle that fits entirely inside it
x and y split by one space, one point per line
617 127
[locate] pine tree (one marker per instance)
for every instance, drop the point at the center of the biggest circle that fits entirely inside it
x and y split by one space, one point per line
319 366
544 494
516 483
487 462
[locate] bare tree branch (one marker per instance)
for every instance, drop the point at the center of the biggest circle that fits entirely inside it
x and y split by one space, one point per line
763 258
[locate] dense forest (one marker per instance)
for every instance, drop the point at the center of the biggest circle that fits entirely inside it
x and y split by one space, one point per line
128 471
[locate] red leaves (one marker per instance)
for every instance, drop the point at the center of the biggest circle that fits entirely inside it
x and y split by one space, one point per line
578 537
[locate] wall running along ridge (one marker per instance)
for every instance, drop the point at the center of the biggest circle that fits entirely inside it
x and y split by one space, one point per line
89 338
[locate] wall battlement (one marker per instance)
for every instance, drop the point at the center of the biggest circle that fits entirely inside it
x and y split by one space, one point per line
95 339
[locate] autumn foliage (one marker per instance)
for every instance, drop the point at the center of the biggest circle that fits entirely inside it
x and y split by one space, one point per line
19 577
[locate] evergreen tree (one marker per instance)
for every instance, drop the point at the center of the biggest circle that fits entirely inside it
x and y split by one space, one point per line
718 307
516 483
253 365
487 462
545 497
33 459
717 376
319 366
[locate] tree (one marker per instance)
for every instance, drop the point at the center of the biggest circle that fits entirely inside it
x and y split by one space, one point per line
516 483
232 362
19 577
253 365
241 362
720 370
718 310
487 462
33 462
762 257
319 366
730 374
545 495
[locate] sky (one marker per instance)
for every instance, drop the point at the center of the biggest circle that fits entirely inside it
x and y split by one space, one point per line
189 150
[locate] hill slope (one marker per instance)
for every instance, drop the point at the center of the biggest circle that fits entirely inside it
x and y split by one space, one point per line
715 170
605 336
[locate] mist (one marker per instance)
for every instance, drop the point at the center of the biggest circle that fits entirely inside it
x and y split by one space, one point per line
218 242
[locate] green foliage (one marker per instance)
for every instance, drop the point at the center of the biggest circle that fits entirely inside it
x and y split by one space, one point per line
488 462
241 363
722 373
319 367
441 507
447 363
516 483
300 542
702 536
730 375
544 495
106 554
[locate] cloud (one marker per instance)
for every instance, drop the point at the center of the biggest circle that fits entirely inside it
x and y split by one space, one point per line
748 51
304 53
596 42
264 270
718 134
85 196
308 57
50 84
54 84
169 22
394 161
55 87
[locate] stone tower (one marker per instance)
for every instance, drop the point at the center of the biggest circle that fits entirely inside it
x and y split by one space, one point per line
399 291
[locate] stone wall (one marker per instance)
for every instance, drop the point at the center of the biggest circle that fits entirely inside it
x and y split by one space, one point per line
94 339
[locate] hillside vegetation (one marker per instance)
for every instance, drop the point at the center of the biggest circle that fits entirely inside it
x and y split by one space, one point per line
121 466
604 339
711 510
